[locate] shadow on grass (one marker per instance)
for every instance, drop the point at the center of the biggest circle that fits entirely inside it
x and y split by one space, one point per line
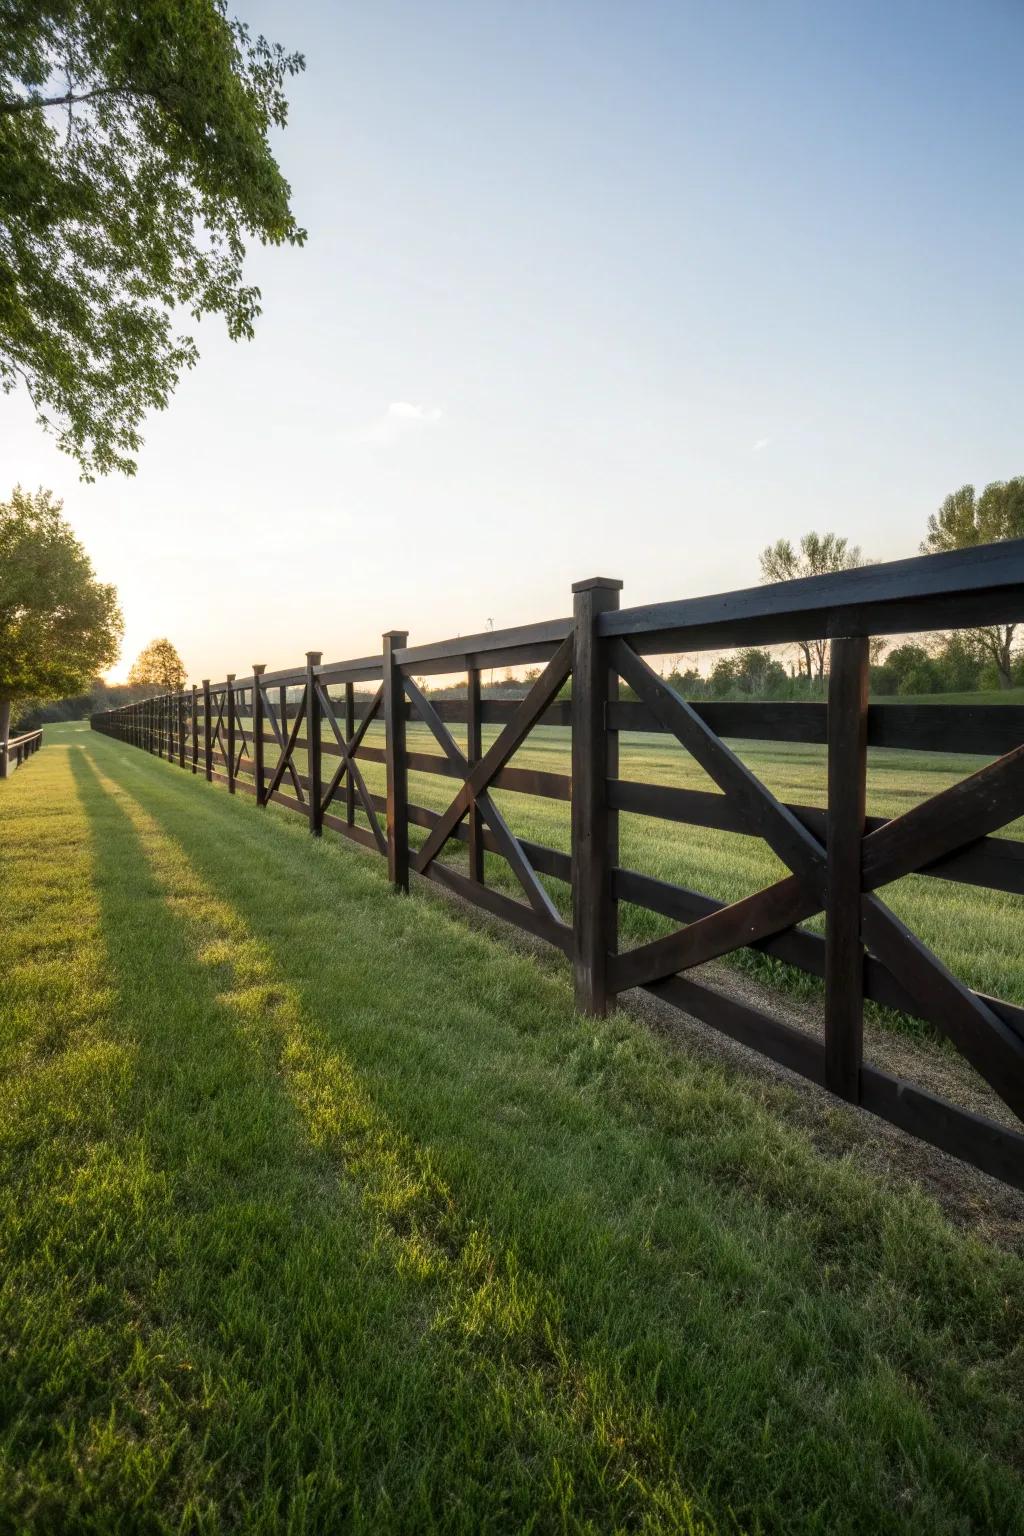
320 1266
630 1277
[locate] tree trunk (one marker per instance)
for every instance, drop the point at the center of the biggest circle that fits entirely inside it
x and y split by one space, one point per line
1005 660
5 732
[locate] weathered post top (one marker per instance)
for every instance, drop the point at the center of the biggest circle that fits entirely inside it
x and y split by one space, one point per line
609 583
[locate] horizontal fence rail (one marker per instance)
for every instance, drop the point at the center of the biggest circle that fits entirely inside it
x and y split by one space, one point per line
17 750
302 738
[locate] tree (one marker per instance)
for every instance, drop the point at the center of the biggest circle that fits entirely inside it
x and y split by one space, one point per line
818 554
965 519
134 165
158 666
58 624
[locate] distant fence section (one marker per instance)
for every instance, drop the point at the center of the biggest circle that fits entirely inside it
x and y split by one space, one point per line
300 737
17 750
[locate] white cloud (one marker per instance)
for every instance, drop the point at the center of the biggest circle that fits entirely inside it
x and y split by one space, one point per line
402 410
401 418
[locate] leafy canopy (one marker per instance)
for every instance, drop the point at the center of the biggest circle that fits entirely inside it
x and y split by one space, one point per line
134 166
59 626
158 666
965 519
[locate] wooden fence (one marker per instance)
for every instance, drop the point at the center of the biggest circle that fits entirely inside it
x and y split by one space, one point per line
18 748
837 860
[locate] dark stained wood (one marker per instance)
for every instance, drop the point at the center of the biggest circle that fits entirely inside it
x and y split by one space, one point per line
230 749
992 1047
947 821
768 817
984 729
499 752
987 729
593 842
543 927
284 763
995 862
982 585
474 752
493 645
258 670
350 730
195 729
734 926
517 861
348 765
756 721
207 740
397 768
314 767
759 1031
847 790
975 1139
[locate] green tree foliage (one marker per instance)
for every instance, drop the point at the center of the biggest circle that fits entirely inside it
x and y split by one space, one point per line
965 519
58 624
158 667
751 673
817 555
134 166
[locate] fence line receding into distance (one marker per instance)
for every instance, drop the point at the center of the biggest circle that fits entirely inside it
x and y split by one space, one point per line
837 860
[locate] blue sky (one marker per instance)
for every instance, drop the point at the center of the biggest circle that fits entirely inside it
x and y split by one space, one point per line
629 289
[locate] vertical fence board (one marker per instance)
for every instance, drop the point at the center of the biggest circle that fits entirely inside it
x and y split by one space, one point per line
847 792
592 898
474 752
207 741
314 767
258 669
397 765
350 730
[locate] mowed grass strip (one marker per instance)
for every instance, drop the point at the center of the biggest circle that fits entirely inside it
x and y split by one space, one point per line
322 1211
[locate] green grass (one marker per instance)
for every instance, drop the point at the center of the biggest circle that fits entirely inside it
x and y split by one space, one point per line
323 1211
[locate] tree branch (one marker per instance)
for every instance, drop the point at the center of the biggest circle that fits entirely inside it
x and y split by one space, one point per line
70 99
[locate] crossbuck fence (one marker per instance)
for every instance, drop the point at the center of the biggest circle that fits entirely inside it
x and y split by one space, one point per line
298 738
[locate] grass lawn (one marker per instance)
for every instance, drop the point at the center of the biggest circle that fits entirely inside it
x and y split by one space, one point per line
322 1211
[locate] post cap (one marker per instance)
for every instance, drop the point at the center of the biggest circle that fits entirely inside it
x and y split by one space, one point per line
313 658
230 677
609 583
258 668
396 636
206 682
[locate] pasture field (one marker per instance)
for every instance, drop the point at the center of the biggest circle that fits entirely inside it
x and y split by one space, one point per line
975 931
323 1211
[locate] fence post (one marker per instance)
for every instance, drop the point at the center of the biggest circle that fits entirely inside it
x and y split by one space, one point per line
181 729
397 770
258 669
314 780
207 743
195 728
847 787
350 730
474 752
594 827
229 699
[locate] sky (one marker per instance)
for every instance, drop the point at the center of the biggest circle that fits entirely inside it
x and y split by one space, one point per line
627 289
